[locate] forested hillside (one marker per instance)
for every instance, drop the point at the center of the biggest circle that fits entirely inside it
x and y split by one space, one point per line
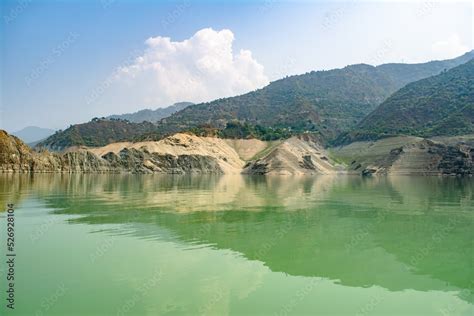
439 105
326 103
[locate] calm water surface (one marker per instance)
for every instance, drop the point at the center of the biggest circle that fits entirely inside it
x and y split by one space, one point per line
231 245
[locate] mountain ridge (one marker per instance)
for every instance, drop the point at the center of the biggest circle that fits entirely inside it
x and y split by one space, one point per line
441 105
149 114
113 128
31 134
326 103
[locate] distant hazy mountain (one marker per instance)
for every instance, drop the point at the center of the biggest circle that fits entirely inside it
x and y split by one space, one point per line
438 105
406 73
33 134
151 115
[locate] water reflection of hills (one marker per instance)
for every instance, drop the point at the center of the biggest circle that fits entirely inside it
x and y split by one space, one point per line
397 233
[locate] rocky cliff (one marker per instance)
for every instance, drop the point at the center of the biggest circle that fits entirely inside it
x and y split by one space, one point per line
299 155
18 157
408 156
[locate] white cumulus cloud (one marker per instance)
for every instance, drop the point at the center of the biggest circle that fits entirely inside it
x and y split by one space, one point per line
201 68
449 48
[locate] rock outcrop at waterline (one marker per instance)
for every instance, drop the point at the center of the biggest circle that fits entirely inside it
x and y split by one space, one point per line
299 155
177 154
408 156
18 157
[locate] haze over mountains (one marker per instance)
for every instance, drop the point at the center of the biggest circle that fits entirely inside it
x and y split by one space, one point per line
151 115
32 134
102 131
325 103
360 119
438 105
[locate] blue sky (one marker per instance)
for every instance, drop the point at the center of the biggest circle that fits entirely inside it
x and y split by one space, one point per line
64 62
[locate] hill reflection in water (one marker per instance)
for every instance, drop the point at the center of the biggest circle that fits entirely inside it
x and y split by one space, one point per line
397 233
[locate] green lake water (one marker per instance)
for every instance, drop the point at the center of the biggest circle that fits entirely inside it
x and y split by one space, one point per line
233 245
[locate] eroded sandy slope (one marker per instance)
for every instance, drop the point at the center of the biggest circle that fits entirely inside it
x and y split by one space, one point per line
407 155
183 144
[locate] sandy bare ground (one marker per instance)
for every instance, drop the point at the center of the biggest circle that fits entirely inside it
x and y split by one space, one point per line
283 157
184 144
401 155
297 156
247 148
